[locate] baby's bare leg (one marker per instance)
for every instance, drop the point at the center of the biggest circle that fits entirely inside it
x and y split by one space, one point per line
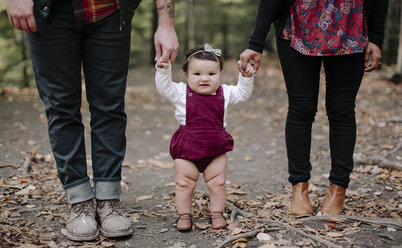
215 177
186 179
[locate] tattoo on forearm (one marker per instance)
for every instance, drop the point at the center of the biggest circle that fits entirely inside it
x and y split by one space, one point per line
165 6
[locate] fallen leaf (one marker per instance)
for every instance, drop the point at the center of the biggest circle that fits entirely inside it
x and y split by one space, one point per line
390 229
239 240
248 159
396 173
237 231
8 165
107 244
236 192
178 245
264 237
395 216
161 164
26 190
311 230
28 246
235 185
202 226
52 244
389 188
332 226
387 147
334 234
267 246
144 197
334 220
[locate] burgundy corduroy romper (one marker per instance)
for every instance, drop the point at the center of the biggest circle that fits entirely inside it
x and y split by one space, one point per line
203 137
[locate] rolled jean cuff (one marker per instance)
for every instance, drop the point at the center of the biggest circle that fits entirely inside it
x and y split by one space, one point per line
79 193
107 190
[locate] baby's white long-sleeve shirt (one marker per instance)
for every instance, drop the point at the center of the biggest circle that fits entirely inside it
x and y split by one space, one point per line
176 92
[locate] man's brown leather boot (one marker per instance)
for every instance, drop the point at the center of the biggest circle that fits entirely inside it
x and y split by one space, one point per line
333 202
113 222
81 225
300 205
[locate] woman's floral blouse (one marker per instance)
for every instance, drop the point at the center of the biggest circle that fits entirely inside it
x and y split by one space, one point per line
326 27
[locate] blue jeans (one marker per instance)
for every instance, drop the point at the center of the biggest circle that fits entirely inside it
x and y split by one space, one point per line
58 50
343 74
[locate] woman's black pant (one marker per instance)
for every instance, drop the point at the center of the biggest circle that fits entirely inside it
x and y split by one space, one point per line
343 74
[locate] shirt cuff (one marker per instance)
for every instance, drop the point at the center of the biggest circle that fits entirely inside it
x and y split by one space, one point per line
246 80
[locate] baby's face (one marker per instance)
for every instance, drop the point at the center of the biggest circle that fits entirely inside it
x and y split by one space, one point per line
203 76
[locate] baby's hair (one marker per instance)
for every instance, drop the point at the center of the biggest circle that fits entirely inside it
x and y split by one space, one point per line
199 53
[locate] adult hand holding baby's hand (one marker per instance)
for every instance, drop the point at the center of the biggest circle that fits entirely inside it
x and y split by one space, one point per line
249 71
163 65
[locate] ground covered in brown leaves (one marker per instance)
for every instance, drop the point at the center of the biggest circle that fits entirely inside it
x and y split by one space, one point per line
33 208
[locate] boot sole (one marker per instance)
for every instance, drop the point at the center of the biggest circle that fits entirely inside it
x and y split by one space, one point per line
81 238
116 235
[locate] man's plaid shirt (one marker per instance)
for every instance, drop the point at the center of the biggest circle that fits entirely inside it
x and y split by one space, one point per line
90 11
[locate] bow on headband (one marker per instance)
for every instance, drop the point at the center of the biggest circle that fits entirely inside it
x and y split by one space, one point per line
209 49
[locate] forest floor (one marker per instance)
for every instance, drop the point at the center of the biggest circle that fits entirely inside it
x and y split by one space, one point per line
33 206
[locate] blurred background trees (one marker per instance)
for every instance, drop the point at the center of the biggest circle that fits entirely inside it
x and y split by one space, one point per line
225 24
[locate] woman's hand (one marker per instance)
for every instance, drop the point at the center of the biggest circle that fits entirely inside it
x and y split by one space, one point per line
374 52
245 58
249 72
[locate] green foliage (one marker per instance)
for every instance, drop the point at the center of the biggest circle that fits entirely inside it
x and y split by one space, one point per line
14 63
225 24
392 29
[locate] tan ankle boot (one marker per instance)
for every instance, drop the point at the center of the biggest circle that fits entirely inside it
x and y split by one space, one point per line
113 222
81 225
218 221
300 205
333 202
184 223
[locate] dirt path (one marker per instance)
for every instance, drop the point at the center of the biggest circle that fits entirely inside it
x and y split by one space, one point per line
257 171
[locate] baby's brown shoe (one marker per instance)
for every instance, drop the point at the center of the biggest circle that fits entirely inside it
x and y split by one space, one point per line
218 221
184 223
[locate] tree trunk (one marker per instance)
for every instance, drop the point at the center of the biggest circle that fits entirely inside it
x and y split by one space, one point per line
399 59
24 59
154 27
190 25
397 77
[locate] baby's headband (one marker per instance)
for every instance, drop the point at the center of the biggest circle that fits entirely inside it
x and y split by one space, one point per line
208 49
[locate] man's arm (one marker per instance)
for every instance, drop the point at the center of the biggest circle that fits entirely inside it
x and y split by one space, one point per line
165 38
20 13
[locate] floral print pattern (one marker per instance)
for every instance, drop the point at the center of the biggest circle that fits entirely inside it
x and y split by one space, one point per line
326 27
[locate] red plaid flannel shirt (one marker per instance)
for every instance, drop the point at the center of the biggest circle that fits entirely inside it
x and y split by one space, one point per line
90 11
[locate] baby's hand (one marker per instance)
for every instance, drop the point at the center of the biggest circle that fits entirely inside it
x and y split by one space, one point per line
163 65
249 72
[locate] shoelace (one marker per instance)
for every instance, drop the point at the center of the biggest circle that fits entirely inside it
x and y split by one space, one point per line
81 208
113 207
